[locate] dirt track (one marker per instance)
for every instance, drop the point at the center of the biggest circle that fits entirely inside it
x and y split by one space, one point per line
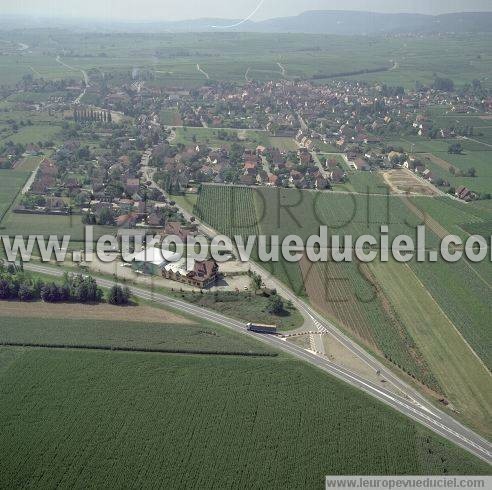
429 222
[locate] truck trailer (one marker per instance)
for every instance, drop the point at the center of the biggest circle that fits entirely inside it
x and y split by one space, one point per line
260 328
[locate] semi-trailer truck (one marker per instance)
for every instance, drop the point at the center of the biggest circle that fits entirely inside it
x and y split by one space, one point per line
260 328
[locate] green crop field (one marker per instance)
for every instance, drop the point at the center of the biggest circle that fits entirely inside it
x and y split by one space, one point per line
238 217
453 215
116 419
349 294
367 183
464 378
464 295
283 211
137 335
280 211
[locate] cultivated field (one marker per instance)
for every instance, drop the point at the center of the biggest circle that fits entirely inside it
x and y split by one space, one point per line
228 56
452 215
178 420
366 183
463 293
359 300
462 375
349 294
171 333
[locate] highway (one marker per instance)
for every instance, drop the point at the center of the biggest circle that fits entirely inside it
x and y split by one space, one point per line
412 404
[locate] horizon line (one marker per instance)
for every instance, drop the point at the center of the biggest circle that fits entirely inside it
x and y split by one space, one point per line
116 20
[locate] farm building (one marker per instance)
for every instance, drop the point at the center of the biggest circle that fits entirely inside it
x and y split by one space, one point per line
171 265
152 260
200 274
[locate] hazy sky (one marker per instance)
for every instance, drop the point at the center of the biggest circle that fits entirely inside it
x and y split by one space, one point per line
233 9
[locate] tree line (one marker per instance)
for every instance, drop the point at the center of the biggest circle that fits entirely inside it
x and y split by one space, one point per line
15 284
84 114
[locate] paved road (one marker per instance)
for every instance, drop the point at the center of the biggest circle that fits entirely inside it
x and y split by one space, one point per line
202 71
30 181
215 128
474 140
84 75
424 413
316 160
302 122
282 69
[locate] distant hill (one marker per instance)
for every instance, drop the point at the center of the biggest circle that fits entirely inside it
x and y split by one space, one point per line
312 22
350 23
337 22
343 22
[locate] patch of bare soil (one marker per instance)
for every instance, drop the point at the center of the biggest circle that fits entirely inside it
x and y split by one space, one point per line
92 312
402 181
339 354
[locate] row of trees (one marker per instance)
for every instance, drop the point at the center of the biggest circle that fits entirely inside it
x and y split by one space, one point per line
74 288
16 284
82 115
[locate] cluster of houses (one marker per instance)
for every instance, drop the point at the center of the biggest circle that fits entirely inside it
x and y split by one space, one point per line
465 194
259 166
41 198
339 113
